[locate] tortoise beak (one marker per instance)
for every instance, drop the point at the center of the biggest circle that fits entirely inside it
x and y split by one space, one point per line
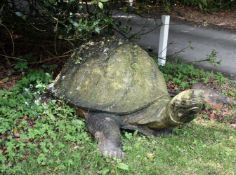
190 114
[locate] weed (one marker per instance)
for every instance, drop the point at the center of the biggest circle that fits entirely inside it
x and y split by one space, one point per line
185 75
31 127
48 138
21 65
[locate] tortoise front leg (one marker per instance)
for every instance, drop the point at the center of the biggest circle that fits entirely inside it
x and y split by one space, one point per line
106 131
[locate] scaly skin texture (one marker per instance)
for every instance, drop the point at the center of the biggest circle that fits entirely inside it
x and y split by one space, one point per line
167 113
106 130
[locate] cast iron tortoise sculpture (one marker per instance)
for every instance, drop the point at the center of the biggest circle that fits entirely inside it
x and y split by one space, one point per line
120 86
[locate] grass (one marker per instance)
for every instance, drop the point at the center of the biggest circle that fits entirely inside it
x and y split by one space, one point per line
48 138
200 148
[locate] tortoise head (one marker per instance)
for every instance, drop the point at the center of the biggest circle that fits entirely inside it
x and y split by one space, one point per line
184 106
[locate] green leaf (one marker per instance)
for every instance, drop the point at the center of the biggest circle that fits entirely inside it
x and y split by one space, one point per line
123 166
41 159
19 14
104 171
100 5
97 30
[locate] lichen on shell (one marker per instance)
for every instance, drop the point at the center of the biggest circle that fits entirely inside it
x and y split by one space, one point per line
113 76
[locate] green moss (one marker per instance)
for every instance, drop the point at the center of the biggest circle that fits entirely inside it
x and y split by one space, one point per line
123 80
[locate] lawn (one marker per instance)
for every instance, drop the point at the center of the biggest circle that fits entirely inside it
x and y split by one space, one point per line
40 136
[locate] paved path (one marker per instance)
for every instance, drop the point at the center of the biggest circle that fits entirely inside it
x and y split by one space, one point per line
203 40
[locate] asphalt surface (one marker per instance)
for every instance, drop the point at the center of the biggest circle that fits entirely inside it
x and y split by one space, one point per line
203 40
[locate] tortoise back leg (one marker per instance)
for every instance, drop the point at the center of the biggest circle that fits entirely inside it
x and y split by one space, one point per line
106 131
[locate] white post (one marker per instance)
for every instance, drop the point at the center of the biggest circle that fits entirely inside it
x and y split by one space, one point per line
165 19
131 3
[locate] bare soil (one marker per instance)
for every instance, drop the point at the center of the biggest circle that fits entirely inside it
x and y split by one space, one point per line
221 19
224 19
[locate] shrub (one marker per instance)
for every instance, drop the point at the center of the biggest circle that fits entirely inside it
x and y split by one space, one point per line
65 19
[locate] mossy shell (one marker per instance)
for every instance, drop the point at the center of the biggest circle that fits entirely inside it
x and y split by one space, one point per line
112 77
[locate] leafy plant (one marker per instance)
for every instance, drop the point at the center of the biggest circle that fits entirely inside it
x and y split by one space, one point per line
21 65
31 126
70 20
185 75
212 58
